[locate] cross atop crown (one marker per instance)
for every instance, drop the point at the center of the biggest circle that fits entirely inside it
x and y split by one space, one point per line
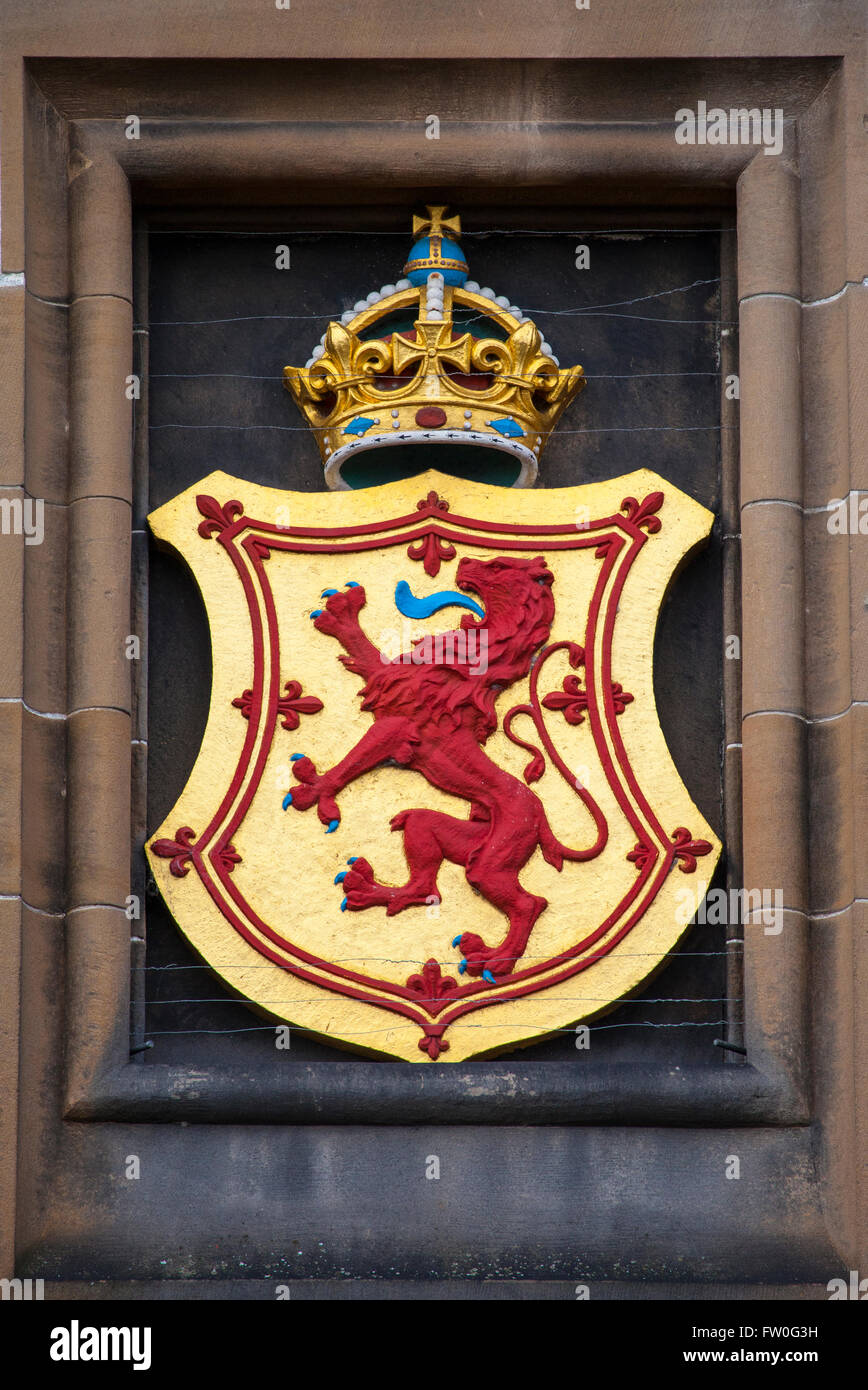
436 224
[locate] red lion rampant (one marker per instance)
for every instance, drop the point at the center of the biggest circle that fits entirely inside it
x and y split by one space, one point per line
435 717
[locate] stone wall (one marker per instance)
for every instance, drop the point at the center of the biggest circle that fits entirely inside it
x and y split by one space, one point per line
256 108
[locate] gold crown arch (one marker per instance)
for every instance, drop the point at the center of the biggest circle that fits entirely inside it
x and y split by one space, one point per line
503 390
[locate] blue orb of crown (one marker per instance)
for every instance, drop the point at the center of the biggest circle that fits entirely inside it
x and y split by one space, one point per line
447 259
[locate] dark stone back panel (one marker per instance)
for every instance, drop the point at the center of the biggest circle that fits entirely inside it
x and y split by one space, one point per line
652 361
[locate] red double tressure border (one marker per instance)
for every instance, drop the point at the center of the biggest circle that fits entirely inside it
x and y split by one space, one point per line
617 540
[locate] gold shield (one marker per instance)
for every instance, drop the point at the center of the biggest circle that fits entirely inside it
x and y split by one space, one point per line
301 905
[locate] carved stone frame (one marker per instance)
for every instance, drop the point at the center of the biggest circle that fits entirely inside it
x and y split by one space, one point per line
799 699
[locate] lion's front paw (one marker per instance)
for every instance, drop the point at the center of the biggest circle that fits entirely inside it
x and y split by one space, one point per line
312 791
341 608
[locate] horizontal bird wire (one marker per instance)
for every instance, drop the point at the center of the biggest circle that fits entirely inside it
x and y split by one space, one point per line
578 309
446 376
304 429
603 429
566 999
576 999
411 960
480 235
588 312
359 1032
640 299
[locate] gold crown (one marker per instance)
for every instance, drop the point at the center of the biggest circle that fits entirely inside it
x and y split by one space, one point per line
433 359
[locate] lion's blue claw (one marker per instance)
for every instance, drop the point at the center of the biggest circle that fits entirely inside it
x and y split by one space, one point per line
344 905
339 878
487 975
456 940
316 613
353 860
332 827
296 757
462 967
287 801
350 584
327 593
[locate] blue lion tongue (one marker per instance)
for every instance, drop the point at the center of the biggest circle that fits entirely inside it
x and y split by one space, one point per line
407 603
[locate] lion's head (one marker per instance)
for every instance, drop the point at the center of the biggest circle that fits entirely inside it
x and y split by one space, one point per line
508 579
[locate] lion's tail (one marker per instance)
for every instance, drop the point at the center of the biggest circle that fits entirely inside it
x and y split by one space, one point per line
555 853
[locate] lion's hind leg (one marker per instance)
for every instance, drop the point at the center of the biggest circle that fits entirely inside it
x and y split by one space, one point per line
494 873
503 889
361 890
429 838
